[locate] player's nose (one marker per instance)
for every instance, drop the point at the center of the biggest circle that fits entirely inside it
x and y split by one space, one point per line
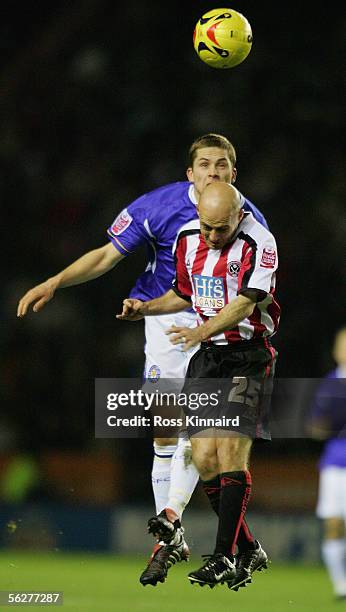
213 171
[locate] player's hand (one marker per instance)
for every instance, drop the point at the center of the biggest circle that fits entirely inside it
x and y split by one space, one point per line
40 295
131 310
185 335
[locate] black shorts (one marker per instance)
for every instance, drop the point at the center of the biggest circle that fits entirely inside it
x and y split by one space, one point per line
235 383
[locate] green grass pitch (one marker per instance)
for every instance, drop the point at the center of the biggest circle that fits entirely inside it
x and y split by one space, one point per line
110 583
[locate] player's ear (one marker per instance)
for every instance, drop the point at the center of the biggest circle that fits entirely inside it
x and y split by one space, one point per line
234 175
189 174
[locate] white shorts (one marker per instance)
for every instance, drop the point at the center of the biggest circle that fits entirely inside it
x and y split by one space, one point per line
164 360
332 493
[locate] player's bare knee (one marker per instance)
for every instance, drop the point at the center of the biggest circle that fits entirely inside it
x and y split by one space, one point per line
187 450
166 441
205 460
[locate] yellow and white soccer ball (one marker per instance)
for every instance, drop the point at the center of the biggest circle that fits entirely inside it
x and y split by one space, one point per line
222 38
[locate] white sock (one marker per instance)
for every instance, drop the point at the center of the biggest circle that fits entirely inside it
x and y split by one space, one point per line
161 474
184 478
334 557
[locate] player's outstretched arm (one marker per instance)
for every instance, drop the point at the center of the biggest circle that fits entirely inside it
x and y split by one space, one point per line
170 302
89 266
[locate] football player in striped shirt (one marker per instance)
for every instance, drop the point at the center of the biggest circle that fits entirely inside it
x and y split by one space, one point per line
225 268
153 220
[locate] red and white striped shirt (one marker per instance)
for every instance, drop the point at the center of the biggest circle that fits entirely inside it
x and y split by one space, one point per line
211 279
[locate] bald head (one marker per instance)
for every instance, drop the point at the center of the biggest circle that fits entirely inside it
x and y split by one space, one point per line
220 212
219 200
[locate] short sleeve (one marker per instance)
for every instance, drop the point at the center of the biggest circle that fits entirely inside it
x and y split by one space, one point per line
258 265
128 230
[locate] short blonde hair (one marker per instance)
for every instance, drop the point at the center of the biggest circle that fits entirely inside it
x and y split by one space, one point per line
212 140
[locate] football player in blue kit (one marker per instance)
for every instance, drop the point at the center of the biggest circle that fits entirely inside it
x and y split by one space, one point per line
327 422
153 220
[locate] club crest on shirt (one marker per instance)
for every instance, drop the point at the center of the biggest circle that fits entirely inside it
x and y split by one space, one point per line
209 291
120 224
154 373
268 258
233 268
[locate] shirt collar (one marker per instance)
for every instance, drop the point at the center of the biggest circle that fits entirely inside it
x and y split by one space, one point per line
192 194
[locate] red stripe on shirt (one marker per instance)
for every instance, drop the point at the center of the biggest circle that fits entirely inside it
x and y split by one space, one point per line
200 257
274 311
183 283
233 335
247 263
220 269
255 320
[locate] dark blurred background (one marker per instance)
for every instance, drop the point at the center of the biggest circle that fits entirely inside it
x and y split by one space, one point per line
99 103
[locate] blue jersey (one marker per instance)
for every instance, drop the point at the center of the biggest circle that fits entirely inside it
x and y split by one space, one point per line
329 406
154 220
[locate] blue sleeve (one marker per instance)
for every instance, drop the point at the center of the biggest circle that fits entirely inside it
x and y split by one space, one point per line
330 399
250 207
321 401
128 231
261 219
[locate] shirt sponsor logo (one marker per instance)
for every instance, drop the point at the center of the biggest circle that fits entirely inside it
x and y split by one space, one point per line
233 268
121 223
268 258
209 291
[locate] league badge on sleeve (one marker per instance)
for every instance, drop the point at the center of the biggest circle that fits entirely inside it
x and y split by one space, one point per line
268 258
121 223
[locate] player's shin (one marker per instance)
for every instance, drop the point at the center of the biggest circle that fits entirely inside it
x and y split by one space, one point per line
212 489
184 478
235 493
161 474
334 557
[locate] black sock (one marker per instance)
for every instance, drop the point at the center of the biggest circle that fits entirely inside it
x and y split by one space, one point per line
234 497
245 539
212 488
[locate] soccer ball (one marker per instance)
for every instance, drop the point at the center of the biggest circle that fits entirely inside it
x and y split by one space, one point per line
222 38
